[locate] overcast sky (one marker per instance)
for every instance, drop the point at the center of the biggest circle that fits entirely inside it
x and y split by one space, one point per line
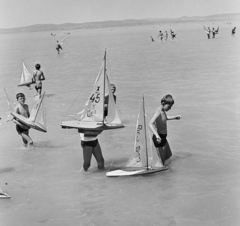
18 13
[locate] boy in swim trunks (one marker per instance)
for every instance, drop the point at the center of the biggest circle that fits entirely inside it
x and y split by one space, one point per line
58 47
23 130
91 147
38 77
158 125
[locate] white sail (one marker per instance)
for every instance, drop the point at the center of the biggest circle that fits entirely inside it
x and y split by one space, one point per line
11 104
93 111
139 158
26 78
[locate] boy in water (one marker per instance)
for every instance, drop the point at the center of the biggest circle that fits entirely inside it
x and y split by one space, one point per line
58 47
23 130
158 125
38 77
90 146
106 99
160 35
234 31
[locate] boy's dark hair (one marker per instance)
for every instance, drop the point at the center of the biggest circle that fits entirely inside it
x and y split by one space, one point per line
37 66
20 95
113 86
168 99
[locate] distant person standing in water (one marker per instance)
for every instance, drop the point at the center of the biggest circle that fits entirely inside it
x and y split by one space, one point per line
214 32
160 35
234 31
38 77
158 125
166 36
172 34
58 47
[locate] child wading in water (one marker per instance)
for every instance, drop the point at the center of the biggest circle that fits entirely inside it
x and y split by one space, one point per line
90 146
158 125
23 130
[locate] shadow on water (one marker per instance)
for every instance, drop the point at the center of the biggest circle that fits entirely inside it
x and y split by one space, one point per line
6 170
46 144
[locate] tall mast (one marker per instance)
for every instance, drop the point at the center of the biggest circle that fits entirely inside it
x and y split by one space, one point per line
145 130
104 68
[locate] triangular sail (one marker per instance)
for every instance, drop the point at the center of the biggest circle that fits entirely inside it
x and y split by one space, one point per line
26 77
139 158
113 113
37 111
154 159
11 104
40 117
93 111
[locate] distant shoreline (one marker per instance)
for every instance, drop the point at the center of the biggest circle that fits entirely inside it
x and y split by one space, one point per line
119 23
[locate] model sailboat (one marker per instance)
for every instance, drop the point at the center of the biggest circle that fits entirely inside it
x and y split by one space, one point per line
144 160
4 195
91 119
26 78
37 119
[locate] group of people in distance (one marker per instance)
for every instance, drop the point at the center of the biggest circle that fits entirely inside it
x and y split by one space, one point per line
23 109
209 32
162 36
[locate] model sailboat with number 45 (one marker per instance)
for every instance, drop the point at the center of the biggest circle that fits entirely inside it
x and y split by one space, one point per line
92 119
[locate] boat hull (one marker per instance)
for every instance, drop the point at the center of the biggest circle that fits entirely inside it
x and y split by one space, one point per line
134 171
26 84
85 127
25 121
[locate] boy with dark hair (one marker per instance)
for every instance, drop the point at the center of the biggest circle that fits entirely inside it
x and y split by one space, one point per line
23 130
158 125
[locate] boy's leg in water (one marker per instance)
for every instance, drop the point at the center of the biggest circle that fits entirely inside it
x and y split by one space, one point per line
87 155
97 152
26 139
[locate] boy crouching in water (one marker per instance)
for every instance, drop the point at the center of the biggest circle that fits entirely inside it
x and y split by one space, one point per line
23 130
158 125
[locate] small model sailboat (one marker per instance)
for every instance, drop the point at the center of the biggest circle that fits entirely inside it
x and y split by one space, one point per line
91 119
37 119
4 195
26 78
144 160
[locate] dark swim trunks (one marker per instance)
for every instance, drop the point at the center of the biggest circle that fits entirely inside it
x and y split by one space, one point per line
20 129
39 86
91 143
165 153
163 140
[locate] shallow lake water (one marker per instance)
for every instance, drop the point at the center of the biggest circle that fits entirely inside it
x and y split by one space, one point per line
201 187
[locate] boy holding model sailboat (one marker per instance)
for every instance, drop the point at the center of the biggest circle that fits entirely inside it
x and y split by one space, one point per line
158 125
23 130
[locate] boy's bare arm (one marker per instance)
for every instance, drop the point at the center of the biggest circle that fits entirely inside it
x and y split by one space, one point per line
177 117
42 76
